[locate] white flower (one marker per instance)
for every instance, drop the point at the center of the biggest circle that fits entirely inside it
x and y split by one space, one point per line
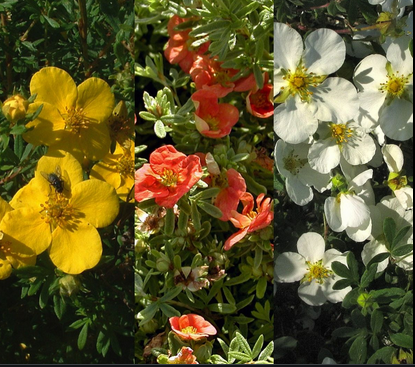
348 210
301 84
393 157
389 207
385 87
312 266
392 6
342 139
291 161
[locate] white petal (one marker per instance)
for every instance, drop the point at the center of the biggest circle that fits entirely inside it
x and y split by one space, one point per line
288 47
324 155
336 100
320 181
396 120
325 52
393 157
293 121
370 250
361 178
312 293
406 263
360 233
370 105
332 295
290 267
330 256
297 191
354 211
405 195
370 72
360 150
311 246
332 213
400 57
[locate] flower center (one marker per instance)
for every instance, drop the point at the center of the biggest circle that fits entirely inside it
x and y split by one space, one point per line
293 163
125 166
252 215
169 177
395 86
57 211
317 271
396 181
299 82
259 99
213 122
189 330
75 119
340 132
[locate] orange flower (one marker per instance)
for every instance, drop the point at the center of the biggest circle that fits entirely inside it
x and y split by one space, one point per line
191 327
250 221
169 175
259 101
213 120
185 356
178 49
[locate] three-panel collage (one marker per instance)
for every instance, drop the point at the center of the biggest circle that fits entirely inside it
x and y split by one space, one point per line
206 182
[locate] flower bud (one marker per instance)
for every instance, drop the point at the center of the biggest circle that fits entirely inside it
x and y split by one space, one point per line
69 284
15 108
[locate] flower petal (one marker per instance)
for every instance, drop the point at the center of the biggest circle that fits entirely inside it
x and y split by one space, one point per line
74 251
312 293
311 246
288 47
97 200
290 267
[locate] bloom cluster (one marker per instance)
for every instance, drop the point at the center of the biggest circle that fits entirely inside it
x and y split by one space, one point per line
204 219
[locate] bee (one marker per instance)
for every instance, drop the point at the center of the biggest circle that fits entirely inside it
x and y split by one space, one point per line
55 179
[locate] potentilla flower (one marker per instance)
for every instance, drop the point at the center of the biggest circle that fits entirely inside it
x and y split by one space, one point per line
385 87
347 210
259 102
340 139
121 127
191 327
185 356
178 49
389 207
212 119
13 252
117 169
73 119
312 267
15 108
250 221
301 85
63 217
169 175
396 181
291 161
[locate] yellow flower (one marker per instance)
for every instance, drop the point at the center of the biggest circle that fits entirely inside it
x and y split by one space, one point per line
73 119
67 214
120 125
118 170
15 108
13 253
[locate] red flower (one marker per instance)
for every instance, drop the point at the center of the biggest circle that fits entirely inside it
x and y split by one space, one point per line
250 221
259 101
169 175
185 356
178 50
191 327
213 120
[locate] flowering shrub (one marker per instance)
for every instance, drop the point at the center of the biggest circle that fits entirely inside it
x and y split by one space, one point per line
344 223
203 182
66 182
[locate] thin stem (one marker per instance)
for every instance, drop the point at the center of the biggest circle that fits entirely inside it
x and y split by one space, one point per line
83 31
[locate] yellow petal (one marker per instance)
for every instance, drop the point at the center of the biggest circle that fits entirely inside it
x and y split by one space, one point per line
5 269
26 232
74 251
55 86
127 183
95 141
4 208
96 99
70 143
97 200
61 164
32 195
47 127
107 173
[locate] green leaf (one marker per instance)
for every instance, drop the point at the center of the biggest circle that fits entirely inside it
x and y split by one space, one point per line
240 305
353 266
169 221
223 308
78 323
240 356
168 310
389 229
59 306
170 295
159 129
53 23
402 340
341 284
207 193
243 344
259 79
351 298
195 215
402 250
228 295
368 275
257 347
345 332
261 287
257 257
376 321
82 337
399 236
341 270
267 352
358 350
209 28
210 209
378 258
384 354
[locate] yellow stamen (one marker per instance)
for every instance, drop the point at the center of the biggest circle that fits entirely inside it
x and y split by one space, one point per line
57 211
169 177
189 330
340 132
293 163
317 271
75 119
